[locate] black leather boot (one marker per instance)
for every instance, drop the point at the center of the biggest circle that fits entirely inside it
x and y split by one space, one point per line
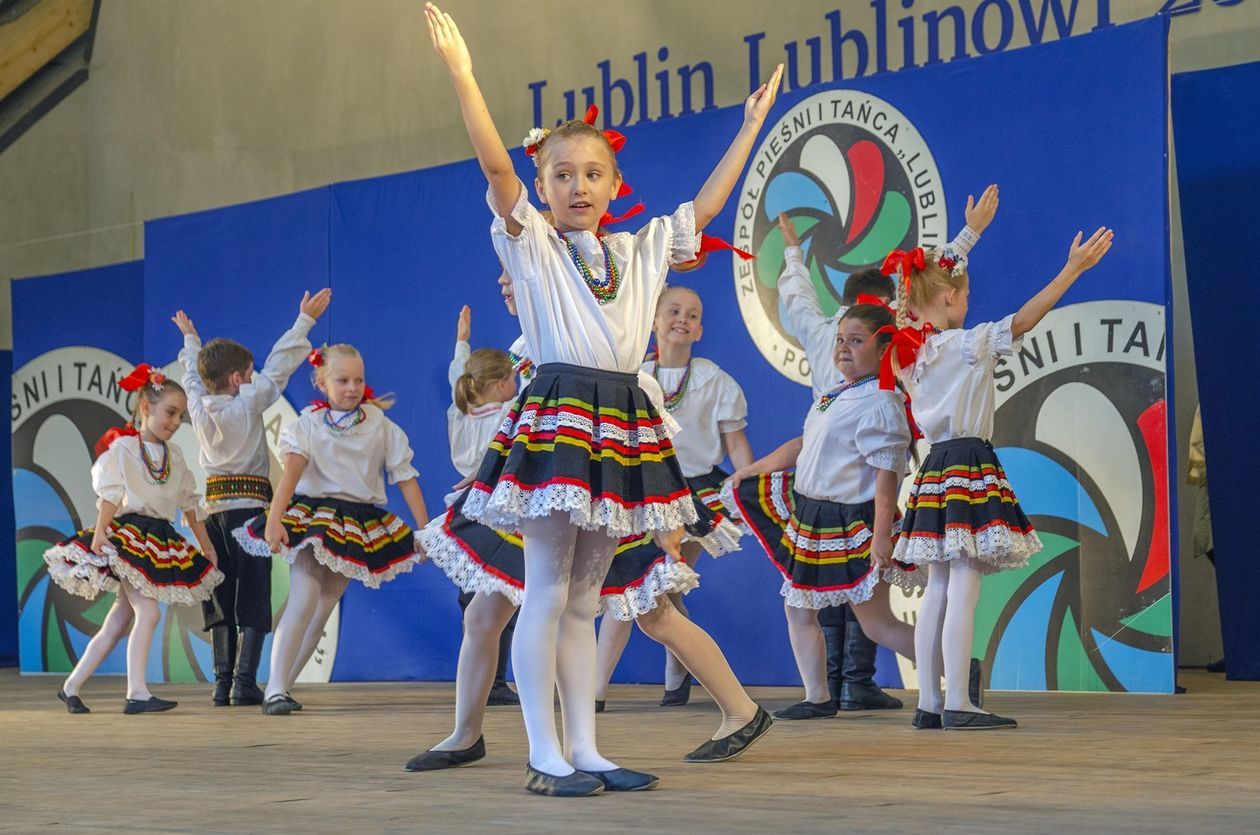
223 645
834 636
245 690
859 690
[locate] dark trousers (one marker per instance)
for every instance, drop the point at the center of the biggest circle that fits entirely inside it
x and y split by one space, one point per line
243 599
505 642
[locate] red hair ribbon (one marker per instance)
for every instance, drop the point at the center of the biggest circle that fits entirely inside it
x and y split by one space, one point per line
113 434
316 357
143 375
609 218
867 298
899 260
906 343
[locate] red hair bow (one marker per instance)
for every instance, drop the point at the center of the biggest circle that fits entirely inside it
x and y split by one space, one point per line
316 357
867 298
901 261
143 375
905 344
113 434
609 218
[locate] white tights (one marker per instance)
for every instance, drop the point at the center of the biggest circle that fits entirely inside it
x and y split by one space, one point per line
945 633
314 590
132 610
484 620
554 643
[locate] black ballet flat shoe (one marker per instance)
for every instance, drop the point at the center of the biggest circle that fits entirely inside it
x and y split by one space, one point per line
280 704
437 760
966 720
599 705
925 720
73 703
577 784
731 746
1216 666
150 705
680 695
975 689
502 695
808 710
625 780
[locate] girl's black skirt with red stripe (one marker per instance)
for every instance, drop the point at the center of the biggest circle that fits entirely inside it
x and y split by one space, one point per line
587 442
717 528
147 553
961 506
357 540
481 559
822 548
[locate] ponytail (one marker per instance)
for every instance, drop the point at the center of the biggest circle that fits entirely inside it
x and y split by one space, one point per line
484 368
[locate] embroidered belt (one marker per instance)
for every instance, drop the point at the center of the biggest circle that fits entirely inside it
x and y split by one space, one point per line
220 488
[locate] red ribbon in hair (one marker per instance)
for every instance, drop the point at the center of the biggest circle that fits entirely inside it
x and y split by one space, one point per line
609 218
905 343
315 357
142 375
899 260
867 298
113 434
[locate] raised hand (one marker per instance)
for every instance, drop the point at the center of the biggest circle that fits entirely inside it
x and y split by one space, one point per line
463 331
762 99
447 41
980 215
789 230
185 325
314 306
1082 256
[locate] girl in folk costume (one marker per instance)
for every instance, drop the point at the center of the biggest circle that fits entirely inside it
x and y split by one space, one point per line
585 459
830 528
141 483
962 517
710 407
325 518
490 565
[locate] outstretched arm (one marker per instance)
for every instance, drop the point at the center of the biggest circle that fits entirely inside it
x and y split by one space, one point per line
488 145
712 196
1081 257
781 459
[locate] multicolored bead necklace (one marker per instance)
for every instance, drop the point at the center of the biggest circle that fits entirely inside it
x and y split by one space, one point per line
606 290
346 422
829 398
158 472
675 398
523 365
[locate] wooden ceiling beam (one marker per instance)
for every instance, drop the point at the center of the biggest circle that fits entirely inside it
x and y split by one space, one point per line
28 43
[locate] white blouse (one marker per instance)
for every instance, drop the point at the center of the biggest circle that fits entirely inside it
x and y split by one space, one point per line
121 478
862 431
560 317
349 466
951 381
812 328
229 428
714 404
470 434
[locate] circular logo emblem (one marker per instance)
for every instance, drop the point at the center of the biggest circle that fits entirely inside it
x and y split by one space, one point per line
856 179
1081 431
63 401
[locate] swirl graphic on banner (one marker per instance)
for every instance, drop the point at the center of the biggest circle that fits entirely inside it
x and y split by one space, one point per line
856 180
63 401
1081 429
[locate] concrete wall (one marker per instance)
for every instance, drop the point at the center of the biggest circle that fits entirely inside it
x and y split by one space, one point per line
192 105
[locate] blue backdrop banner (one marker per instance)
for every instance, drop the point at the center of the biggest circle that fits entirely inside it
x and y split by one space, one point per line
1073 132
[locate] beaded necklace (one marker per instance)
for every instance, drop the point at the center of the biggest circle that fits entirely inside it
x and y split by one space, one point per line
830 397
158 472
346 422
604 290
674 398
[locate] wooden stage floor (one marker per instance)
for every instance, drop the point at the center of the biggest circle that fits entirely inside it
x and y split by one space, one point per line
1091 763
